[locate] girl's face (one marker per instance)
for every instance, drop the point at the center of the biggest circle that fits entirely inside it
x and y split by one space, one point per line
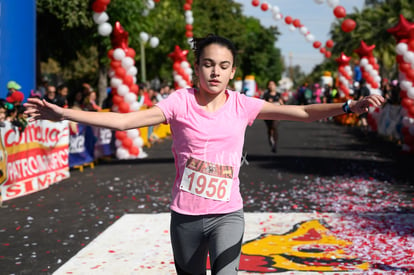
271 86
215 69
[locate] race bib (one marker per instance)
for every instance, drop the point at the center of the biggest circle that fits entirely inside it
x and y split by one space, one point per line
208 180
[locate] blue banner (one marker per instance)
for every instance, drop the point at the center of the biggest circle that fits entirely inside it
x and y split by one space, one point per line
18 45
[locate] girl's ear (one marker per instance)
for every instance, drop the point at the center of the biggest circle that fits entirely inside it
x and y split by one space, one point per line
233 72
196 69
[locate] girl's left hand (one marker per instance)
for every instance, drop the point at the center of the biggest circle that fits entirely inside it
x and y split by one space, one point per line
361 106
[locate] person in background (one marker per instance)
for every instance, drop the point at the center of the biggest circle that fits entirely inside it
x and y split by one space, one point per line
62 94
51 95
273 96
207 206
14 96
89 102
3 112
362 92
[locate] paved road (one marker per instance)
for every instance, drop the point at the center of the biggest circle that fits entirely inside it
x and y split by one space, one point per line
319 167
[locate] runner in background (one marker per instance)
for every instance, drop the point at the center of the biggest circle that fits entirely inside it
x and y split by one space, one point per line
273 96
208 126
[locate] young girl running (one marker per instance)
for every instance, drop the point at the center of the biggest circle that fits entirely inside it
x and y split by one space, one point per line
208 126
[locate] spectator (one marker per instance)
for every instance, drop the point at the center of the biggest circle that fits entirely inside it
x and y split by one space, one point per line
89 102
14 96
3 111
62 94
51 95
42 88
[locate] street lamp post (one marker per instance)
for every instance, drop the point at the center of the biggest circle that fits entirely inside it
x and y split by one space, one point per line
143 39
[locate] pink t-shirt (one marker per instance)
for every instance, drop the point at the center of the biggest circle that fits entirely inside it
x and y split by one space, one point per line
207 148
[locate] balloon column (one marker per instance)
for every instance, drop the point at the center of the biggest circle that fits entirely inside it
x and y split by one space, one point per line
189 19
124 92
404 34
182 70
345 74
369 67
100 17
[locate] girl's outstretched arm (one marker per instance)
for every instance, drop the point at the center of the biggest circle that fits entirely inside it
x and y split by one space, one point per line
315 112
40 109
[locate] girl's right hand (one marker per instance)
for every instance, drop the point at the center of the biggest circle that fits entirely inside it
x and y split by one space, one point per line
38 109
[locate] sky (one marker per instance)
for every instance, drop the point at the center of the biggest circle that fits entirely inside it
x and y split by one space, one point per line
316 17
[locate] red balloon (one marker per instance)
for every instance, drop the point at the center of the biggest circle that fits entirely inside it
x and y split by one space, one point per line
115 64
134 89
255 3
329 44
407 102
127 143
111 53
410 74
134 151
317 44
288 20
187 7
117 99
104 2
120 72
130 52
322 50
348 25
296 23
98 7
328 54
339 12
124 107
264 7
188 1
120 135
189 27
189 34
128 80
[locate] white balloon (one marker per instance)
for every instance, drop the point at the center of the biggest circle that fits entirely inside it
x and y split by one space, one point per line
105 29
333 3
188 13
118 143
145 12
134 79
138 142
364 62
135 106
319 1
177 78
401 48
123 90
116 82
111 73
132 71
303 30
184 64
277 16
119 54
132 133
407 121
154 41
150 4
182 83
100 17
292 28
410 92
127 62
310 38
409 57
405 85
275 10
189 20
122 153
143 36
130 98
189 71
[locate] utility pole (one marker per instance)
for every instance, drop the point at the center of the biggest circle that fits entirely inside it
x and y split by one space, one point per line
290 66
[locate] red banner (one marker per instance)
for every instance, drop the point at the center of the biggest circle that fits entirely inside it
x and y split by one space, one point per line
34 159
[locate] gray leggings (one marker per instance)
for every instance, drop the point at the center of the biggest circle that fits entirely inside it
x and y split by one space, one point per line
219 235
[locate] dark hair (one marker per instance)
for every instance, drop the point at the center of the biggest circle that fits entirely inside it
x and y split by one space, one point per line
200 43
